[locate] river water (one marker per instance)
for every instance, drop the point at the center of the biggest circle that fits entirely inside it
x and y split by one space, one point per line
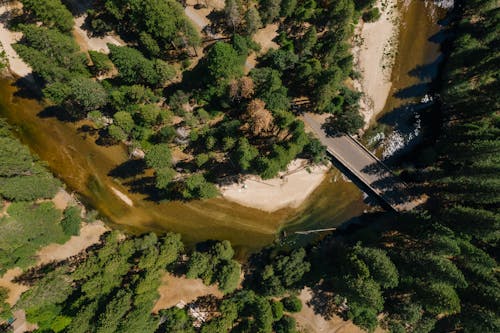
87 168
417 64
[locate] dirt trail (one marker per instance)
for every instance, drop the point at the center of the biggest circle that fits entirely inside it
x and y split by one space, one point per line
312 322
175 289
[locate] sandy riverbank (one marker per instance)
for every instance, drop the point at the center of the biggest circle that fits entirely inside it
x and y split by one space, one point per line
7 38
374 49
289 189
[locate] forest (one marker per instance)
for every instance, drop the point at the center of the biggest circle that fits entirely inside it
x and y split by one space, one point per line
431 270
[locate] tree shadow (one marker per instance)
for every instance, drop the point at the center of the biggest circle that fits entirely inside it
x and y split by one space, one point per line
427 71
78 7
128 169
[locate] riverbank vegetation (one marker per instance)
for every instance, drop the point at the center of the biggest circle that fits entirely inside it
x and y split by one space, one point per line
163 92
432 270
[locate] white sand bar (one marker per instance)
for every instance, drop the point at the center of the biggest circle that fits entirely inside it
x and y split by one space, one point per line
290 189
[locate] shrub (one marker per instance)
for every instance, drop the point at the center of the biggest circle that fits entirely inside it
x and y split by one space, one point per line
371 15
292 304
71 221
28 188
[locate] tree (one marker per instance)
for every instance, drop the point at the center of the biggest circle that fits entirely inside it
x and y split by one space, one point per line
288 7
229 276
233 10
86 94
253 21
348 121
52 13
124 120
269 10
176 321
371 15
308 40
286 324
223 63
101 64
292 304
245 153
260 119
135 68
5 312
71 221
197 187
158 156
164 176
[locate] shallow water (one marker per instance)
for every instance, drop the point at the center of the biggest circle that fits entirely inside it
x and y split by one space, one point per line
417 64
85 167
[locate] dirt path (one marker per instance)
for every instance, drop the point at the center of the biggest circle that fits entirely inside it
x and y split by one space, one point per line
93 43
311 322
175 289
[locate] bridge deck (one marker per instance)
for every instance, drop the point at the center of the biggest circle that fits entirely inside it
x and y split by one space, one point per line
366 167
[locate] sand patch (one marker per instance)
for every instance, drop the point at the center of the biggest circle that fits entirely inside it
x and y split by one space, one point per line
375 44
63 199
15 289
264 37
122 196
311 322
16 65
289 189
175 289
93 43
90 234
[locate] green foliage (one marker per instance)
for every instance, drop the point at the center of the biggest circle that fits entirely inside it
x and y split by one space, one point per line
158 156
71 221
164 21
223 63
284 273
15 159
36 49
292 304
277 309
176 321
52 13
5 312
253 21
40 184
197 187
135 68
216 265
348 122
371 15
38 223
101 64
286 324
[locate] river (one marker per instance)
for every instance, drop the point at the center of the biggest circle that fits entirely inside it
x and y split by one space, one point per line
87 168
417 64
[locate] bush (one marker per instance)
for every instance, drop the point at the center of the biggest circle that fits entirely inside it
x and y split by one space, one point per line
28 188
292 304
277 308
371 15
52 13
71 221
286 325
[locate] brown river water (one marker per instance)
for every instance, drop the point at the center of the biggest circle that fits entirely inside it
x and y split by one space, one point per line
84 166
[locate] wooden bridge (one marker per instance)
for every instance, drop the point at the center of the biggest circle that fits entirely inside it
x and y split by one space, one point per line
366 167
